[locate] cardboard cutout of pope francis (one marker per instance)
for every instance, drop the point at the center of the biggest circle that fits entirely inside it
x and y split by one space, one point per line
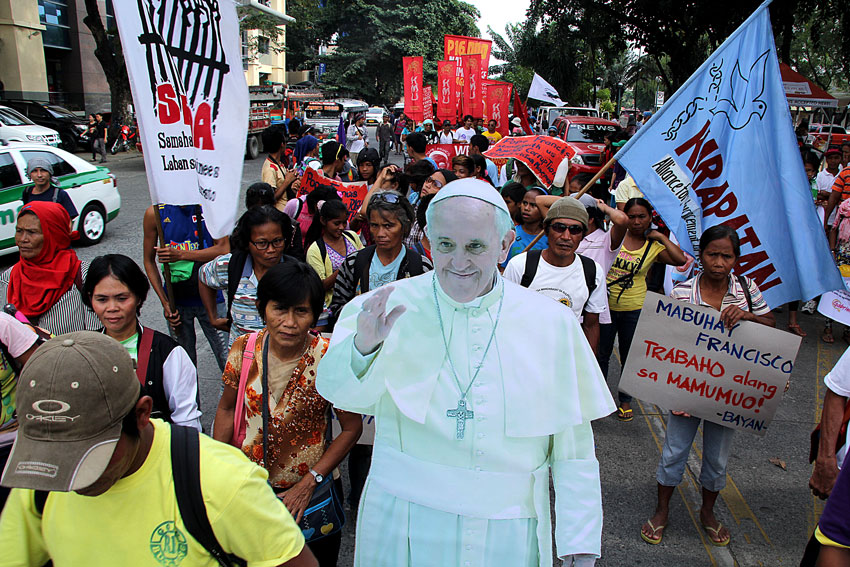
478 387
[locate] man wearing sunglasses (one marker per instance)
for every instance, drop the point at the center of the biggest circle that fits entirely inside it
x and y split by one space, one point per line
558 272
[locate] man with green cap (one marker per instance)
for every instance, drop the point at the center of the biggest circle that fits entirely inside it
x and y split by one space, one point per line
554 272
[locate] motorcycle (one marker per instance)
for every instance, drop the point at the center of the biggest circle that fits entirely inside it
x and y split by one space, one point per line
127 138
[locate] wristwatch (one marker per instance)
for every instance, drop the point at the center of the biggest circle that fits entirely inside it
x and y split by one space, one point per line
319 477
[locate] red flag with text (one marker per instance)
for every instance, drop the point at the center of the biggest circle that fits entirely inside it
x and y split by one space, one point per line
497 99
472 91
456 46
428 104
413 87
447 99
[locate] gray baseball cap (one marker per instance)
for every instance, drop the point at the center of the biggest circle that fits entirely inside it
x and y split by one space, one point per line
72 397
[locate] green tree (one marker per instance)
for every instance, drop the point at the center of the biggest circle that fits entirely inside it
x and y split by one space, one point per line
305 35
820 45
371 37
506 48
111 58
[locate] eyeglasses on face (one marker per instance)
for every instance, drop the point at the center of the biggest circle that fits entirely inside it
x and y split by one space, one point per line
560 227
434 182
263 244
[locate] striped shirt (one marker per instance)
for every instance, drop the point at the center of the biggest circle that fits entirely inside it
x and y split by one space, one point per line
841 184
735 295
246 318
67 315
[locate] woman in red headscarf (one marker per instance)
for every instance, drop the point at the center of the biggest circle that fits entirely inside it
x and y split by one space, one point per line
46 283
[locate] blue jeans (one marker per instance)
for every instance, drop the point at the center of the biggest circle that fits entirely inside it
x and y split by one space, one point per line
716 444
185 333
623 323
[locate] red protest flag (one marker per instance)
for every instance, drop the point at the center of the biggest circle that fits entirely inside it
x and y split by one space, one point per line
447 99
497 98
428 104
522 112
472 91
413 87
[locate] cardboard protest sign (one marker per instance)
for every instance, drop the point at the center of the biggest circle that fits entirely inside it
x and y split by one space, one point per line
428 104
836 304
542 154
684 358
352 194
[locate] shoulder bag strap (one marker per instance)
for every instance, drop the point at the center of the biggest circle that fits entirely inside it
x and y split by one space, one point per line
143 354
186 472
743 281
199 226
235 267
362 260
239 420
631 275
532 260
264 375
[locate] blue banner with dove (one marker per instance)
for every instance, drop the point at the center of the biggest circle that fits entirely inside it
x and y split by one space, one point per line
723 150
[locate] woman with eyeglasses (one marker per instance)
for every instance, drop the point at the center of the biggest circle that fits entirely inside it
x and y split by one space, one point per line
432 184
258 243
390 218
642 246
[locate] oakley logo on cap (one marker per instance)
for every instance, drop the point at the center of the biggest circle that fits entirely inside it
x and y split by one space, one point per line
50 410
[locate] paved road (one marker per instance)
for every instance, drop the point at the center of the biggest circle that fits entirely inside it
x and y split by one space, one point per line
768 510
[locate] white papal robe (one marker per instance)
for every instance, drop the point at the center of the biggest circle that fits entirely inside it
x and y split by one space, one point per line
434 500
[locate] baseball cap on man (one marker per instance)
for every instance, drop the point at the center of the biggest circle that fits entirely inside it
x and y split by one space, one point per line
567 208
72 397
832 151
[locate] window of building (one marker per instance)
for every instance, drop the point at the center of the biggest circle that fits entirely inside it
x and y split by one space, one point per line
263 45
53 14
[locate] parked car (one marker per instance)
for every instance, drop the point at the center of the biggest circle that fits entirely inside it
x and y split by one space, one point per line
821 134
91 188
15 127
586 135
70 126
375 115
547 115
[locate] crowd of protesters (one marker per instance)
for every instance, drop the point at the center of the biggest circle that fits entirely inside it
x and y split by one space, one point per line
267 296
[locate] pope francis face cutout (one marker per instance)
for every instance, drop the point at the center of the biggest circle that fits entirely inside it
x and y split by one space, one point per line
466 246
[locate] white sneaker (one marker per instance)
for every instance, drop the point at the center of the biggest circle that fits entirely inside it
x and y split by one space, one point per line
809 306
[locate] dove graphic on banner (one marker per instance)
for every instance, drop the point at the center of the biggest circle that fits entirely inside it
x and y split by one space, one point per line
722 150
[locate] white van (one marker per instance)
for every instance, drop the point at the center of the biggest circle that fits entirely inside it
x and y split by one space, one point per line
15 127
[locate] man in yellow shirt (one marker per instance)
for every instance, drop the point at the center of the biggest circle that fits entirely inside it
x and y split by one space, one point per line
86 437
491 133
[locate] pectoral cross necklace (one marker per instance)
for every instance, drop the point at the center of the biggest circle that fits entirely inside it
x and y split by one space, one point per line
463 411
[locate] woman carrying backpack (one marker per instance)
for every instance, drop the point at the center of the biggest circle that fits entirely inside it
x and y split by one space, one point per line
642 246
116 288
328 245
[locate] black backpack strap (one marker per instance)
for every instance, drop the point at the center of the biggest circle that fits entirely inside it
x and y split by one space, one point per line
413 259
743 281
40 500
361 268
589 267
234 273
532 260
186 471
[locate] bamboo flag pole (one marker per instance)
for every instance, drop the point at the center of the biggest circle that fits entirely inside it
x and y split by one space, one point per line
584 190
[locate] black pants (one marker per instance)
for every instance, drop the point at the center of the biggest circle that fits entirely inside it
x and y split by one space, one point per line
359 461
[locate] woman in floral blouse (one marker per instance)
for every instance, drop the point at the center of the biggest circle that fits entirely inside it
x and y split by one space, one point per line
290 298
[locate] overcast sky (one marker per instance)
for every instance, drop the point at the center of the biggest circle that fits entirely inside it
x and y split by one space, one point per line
498 13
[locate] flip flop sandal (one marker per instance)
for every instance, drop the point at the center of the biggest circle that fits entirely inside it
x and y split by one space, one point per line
797 330
659 531
715 532
827 337
625 414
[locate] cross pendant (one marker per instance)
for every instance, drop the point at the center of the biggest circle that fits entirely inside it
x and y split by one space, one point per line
461 414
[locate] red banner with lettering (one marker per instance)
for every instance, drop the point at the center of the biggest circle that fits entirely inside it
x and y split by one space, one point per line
442 154
352 194
497 99
542 154
456 46
447 99
413 87
428 104
472 91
